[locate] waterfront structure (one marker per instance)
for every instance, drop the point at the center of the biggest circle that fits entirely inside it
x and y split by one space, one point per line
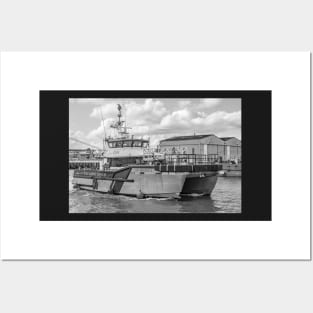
81 153
232 148
222 149
85 158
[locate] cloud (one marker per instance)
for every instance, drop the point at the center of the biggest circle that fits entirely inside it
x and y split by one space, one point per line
78 140
187 122
163 118
150 111
218 119
101 130
180 118
106 110
76 134
138 113
209 103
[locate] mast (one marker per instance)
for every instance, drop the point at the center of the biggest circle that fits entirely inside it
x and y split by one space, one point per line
119 115
120 125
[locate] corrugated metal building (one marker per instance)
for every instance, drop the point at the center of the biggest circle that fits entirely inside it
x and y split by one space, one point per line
226 148
233 148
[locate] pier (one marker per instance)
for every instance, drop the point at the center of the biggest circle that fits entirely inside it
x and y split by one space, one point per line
85 158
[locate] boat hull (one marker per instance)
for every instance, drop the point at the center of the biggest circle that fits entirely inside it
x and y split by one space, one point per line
199 183
141 182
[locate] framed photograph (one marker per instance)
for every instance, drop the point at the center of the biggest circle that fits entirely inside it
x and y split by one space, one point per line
156 155
172 156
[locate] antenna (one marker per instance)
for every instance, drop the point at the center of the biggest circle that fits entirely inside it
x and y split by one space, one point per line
125 112
102 119
120 125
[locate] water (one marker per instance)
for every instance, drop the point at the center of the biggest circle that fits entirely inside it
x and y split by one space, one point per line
225 198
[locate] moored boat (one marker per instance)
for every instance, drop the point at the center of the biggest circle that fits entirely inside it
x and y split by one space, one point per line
140 181
200 178
161 181
131 168
199 184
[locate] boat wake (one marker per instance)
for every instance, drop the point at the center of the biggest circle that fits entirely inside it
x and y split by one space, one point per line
150 198
193 195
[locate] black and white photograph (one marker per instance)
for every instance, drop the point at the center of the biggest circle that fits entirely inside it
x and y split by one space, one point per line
155 155
153 170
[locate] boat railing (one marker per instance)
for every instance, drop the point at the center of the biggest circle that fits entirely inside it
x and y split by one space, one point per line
72 159
91 173
191 159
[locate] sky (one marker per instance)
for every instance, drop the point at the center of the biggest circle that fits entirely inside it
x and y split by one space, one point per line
90 119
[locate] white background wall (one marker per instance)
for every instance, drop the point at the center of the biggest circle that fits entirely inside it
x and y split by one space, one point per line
45 286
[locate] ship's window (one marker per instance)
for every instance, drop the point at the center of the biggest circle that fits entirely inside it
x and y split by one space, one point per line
137 143
119 144
127 143
145 144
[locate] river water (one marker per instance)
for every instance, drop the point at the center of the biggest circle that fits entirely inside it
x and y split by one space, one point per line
225 198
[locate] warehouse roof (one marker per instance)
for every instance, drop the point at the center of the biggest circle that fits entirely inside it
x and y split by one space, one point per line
187 137
226 138
229 138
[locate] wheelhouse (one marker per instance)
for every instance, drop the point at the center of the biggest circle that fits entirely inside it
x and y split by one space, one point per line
128 143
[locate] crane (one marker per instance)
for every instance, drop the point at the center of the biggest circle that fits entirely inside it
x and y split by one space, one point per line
84 143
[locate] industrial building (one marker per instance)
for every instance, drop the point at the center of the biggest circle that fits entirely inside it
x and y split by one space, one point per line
223 149
85 158
81 153
233 148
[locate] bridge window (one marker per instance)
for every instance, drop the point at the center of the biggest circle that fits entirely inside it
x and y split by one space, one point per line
137 143
127 143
